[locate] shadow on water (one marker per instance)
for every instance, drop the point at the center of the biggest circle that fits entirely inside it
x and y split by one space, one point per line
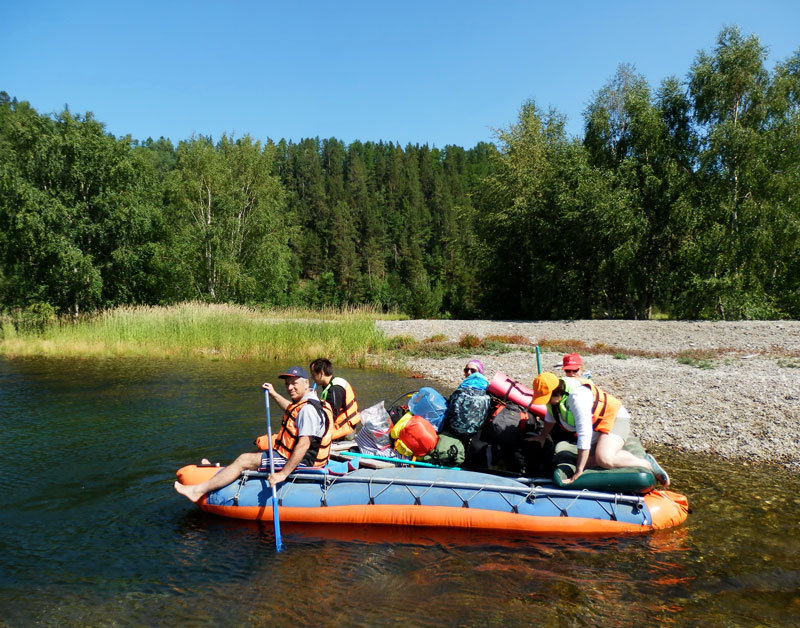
92 533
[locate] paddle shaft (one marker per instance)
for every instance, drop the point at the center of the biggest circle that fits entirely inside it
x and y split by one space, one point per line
394 460
275 519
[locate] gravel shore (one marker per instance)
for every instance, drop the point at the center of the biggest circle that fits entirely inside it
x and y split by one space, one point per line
744 405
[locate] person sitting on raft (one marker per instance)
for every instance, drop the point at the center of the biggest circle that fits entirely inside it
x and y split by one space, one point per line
303 440
601 421
572 365
473 375
338 392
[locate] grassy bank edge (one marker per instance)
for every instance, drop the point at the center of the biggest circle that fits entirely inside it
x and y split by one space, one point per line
198 330
348 337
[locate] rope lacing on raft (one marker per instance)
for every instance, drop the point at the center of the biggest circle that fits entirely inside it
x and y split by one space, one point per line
329 481
611 511
465 502
371 496
417 498
565 509
294 477
247 475
533 492
515 507
242 481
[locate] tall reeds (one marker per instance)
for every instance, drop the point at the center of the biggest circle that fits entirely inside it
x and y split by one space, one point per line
227 332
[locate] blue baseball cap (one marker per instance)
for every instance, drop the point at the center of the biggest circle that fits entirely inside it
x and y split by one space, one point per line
294 371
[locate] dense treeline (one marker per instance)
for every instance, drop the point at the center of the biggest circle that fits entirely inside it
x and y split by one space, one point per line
683 199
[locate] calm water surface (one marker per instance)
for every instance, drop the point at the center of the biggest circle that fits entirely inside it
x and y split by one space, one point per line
92 534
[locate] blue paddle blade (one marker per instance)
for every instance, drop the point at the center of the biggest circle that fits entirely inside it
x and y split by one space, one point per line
276 521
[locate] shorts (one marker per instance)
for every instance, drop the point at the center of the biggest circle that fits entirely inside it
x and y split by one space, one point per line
622 426
277 460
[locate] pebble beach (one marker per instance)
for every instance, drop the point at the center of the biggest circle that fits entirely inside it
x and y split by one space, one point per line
741 403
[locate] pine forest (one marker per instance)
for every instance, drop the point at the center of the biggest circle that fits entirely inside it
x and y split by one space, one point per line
680 200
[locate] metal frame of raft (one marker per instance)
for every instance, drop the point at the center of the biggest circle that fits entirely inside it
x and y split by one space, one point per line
439 498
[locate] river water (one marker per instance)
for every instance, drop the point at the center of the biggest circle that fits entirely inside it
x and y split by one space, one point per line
92 533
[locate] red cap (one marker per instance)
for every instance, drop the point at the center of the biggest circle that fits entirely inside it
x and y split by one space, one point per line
572 361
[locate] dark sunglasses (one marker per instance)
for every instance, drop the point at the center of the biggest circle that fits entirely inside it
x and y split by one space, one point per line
570 371
469 371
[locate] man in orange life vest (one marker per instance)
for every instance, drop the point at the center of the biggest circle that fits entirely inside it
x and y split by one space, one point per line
338 392
304 438
601 421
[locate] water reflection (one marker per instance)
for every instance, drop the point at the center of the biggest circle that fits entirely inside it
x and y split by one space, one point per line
91 532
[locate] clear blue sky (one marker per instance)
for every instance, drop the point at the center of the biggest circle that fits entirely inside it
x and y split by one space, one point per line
435 72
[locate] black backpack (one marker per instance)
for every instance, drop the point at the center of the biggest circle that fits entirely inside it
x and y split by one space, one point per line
507 429
509 423
397 412
467 410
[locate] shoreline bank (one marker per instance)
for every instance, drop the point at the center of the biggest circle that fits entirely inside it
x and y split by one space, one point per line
744 404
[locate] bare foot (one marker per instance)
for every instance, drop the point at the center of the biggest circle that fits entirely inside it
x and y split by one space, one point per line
188 491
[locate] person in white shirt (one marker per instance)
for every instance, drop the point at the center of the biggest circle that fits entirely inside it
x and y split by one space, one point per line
600 420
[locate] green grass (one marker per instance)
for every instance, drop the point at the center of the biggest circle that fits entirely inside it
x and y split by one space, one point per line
439 347
700 364
225 332
231 332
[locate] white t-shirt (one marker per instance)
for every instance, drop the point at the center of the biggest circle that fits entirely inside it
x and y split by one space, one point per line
309 422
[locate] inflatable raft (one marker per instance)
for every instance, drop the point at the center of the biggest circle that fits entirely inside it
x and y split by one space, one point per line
439 498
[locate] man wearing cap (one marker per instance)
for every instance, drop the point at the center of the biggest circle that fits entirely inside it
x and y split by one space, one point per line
600 420
304 438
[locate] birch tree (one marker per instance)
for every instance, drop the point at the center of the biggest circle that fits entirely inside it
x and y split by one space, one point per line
231 228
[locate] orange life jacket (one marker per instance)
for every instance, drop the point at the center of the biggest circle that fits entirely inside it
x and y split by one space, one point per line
286 439
347 419
604 408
